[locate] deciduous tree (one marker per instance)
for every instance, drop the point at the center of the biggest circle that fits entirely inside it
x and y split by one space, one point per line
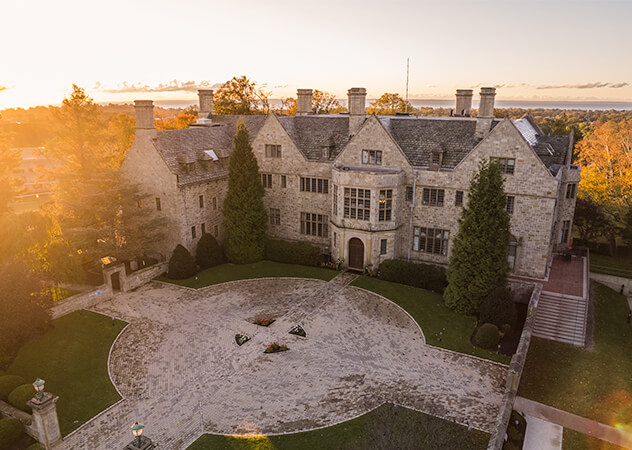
240 95
478 261
388 104
245 217
9 163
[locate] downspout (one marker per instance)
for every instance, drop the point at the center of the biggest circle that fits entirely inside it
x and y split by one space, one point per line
412 207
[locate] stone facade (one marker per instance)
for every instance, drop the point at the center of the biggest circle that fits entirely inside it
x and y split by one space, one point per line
412 169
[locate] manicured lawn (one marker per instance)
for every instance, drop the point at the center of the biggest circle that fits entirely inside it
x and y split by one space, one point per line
386 427
72 358
591 383
261 269
573 440
441 326
618 267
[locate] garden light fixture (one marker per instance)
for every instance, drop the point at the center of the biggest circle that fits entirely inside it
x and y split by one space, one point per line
38 384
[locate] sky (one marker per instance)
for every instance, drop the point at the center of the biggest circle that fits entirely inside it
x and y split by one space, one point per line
121 50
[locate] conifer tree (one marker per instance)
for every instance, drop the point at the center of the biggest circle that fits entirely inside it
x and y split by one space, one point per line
478 262
245 217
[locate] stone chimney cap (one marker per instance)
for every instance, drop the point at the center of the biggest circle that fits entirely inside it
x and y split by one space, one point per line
464 92
304 91
142 103
488 90
356 90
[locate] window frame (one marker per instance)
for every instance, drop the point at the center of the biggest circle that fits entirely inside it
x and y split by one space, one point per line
275 216
511 204
314 224
458 198
355 205
431 240
272 150
433 197
372 157
385 205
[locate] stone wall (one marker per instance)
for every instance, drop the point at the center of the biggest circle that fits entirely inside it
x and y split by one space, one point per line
84 300
213 194
613 282
515 373
134 279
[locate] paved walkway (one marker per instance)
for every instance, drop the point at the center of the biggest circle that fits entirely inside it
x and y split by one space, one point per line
574 422
566 277
182 374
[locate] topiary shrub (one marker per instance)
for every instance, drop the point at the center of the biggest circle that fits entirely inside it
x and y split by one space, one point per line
498 308
424 276
8 383
208 252
182 264
20 395
487 336
293 252
10 432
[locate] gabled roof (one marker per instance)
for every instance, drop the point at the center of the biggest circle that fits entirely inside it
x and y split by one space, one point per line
551 149
189 144
312 133
419 137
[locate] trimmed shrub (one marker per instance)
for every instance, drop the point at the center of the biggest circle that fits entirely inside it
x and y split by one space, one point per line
498 308
424 276
10 432
8 383
487 336
208 252
20 395
293 252
182 264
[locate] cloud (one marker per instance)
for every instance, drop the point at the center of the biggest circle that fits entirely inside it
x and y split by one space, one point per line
171 86
595 85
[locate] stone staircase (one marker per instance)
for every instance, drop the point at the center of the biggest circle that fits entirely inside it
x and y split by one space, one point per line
561 318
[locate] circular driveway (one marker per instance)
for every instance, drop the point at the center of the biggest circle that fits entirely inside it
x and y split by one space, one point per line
181 372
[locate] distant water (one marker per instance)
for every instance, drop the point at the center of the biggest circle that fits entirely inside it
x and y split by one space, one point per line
526 104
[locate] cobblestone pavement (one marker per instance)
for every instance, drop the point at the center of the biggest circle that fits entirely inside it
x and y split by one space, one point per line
182 374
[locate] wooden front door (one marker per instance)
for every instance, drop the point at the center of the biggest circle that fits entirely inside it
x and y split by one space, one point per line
356 254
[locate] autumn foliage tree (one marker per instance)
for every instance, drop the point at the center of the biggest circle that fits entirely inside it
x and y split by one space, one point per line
388 105
182 120
240 95
606 158
9 163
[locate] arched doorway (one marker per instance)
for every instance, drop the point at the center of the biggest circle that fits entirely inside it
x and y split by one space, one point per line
356 254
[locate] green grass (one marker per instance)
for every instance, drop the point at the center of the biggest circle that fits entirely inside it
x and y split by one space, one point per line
404 428
72 358
573 440
619 267
441 326
591 383
261 269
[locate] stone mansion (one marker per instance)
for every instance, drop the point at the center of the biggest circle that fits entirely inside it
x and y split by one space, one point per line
363 188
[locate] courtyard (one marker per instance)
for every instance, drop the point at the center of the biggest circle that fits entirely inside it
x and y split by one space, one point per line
180 371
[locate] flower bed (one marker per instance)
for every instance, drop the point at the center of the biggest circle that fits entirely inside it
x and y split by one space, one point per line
241 339
298 330
264 321
275 347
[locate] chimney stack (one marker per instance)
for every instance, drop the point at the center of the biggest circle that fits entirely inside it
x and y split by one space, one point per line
485 111
206 103
303 102
463 103
144 110
357 108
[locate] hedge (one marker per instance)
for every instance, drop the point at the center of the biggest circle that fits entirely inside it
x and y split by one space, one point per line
498 308
182 264
426 276
208 252
10 432
20 395
293 252
8 383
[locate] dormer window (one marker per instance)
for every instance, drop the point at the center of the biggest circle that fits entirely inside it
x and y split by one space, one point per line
326 152
189 167
436 160
372 157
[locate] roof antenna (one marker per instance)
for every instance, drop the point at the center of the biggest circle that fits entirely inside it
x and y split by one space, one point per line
407 71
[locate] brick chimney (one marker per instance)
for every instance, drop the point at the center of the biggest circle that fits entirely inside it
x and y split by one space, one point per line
485 111
303 102
144 110
463 103
357 108
206 103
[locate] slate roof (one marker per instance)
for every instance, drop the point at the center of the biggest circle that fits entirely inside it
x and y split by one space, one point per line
312 133
551 149
178 147
418 137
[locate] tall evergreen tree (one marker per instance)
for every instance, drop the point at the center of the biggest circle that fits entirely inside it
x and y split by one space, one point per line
478 263
245 217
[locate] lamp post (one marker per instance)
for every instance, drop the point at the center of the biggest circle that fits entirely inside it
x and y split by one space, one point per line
140 442
38 384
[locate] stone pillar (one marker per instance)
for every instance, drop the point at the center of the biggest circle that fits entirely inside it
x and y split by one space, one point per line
206 103
303 102
485 111
45 418
463 103
357 108
144 114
